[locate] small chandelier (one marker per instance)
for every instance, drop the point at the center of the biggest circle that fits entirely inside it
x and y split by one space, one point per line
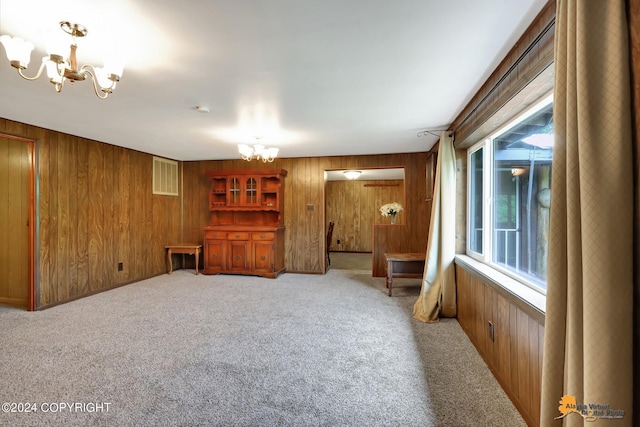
352 174
61 68
258 151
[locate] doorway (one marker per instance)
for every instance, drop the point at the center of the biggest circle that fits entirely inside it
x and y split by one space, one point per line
17 221
353 205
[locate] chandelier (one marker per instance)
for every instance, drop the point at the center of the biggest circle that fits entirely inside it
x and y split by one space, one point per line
258 151
61 68
352 174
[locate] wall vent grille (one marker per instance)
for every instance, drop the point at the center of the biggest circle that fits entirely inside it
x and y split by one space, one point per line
165 177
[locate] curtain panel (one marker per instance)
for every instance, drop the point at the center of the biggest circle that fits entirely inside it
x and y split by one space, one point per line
588 339
634 40
438 293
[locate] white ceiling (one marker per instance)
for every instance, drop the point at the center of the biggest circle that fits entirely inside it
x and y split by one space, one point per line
312 77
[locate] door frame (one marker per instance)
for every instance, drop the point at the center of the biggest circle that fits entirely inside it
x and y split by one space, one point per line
31 216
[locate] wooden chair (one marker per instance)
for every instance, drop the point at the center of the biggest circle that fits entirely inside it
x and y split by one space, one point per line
329 236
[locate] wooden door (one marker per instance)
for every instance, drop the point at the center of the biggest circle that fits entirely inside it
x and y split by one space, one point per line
215 255
238 251
16 221
263 256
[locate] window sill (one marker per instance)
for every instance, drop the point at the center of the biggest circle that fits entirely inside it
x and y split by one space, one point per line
530 300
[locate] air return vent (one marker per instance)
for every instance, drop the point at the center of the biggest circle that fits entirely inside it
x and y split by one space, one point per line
165 177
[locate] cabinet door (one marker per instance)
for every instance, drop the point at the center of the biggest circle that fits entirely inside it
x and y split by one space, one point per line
235 192
263 256
214 254
251 192
238 255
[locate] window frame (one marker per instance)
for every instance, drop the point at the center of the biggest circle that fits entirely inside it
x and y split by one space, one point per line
488 178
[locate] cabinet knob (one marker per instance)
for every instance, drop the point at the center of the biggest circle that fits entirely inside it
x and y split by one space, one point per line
215 256
263 257
237 236
238 257
262 236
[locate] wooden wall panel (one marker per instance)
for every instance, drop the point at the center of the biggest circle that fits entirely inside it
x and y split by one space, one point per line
97 198
305 190
43 287
95 209
50 185
62 189
515 354
82 221
72 211
110 193
123 214
353 206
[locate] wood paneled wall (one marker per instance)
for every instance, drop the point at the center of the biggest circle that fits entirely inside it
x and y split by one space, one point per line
515 353
95 210
305 236
353 207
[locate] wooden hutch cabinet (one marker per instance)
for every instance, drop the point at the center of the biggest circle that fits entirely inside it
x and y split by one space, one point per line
246 232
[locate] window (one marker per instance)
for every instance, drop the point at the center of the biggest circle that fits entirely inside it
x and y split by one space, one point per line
509 181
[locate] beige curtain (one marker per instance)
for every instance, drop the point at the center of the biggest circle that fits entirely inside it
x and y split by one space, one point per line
634 42
588 326
438 294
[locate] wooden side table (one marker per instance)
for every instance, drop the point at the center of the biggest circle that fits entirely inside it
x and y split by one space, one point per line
404 265
184 249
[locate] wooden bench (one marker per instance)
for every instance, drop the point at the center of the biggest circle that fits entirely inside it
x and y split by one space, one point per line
183 248
404 265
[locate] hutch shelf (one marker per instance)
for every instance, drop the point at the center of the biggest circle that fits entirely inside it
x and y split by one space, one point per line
245 234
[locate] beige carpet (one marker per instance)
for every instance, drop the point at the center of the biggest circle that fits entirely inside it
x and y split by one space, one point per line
300 350
351 260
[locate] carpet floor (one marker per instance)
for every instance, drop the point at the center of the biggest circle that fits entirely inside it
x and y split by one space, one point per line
351 261
300 350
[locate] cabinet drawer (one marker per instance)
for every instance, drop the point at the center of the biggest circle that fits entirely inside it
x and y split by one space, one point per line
238 235
265 235
214 235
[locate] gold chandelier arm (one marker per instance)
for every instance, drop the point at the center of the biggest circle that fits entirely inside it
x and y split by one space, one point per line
59 86
91 72
42 65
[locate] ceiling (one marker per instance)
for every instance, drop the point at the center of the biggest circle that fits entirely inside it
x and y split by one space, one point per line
311 77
